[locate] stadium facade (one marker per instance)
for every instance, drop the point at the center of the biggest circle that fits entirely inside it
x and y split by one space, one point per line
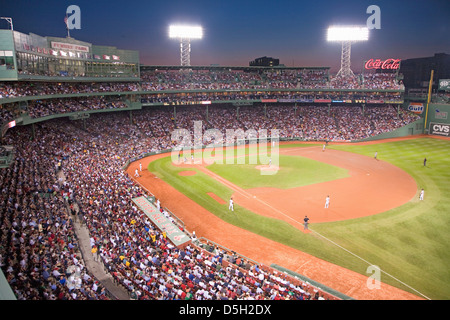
33 57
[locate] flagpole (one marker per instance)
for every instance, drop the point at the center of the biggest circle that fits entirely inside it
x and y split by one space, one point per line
67 27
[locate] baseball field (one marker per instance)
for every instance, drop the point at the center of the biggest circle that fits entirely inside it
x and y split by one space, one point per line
375 217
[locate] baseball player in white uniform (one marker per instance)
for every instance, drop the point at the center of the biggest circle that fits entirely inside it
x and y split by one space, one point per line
327 202
422 192
231 205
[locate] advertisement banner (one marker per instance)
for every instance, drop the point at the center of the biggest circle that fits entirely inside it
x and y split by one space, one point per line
416 107
444 84
375 101
440 129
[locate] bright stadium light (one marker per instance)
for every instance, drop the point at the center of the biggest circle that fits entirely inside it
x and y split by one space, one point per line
185 34
346 35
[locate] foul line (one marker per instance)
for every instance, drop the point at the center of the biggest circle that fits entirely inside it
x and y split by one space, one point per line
370 264
249 195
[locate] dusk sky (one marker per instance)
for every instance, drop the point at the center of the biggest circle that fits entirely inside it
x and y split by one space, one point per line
238 31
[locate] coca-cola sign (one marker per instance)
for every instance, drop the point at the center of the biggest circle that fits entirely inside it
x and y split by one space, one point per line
388 64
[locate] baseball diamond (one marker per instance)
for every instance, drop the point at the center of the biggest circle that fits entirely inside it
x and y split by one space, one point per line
354 197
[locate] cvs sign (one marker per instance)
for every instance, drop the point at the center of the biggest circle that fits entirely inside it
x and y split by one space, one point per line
440 129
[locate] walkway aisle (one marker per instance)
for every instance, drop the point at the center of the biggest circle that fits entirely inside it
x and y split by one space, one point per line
95 267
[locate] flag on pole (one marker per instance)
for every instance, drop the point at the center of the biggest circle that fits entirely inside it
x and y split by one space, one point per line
67 26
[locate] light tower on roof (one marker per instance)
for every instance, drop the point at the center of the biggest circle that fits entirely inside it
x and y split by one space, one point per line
347 35
185 34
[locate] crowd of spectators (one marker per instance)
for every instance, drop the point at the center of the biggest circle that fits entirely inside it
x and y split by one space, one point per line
43 108
306 122
16 89
227 84
159 80
39 249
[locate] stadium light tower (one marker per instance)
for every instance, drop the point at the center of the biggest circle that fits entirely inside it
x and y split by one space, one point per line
347 35
185 34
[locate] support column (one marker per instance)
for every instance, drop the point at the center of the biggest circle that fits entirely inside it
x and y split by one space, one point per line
33 131
175 115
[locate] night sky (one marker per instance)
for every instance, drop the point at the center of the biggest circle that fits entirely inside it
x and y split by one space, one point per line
236 32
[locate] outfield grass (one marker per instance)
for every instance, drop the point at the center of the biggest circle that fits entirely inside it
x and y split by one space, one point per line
295 171
408 243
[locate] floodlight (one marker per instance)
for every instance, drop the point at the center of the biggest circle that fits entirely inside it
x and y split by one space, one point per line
185 34
346 35
190 32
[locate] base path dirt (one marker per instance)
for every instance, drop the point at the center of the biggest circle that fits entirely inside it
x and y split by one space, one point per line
372 187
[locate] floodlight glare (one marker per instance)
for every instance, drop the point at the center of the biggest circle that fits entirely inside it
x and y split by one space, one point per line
189 32
185 34
346 35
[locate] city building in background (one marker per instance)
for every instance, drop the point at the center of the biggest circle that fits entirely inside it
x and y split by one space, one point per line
417 71
265 62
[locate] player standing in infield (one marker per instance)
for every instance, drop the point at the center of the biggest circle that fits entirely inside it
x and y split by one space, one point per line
327 202
305 220
231 205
